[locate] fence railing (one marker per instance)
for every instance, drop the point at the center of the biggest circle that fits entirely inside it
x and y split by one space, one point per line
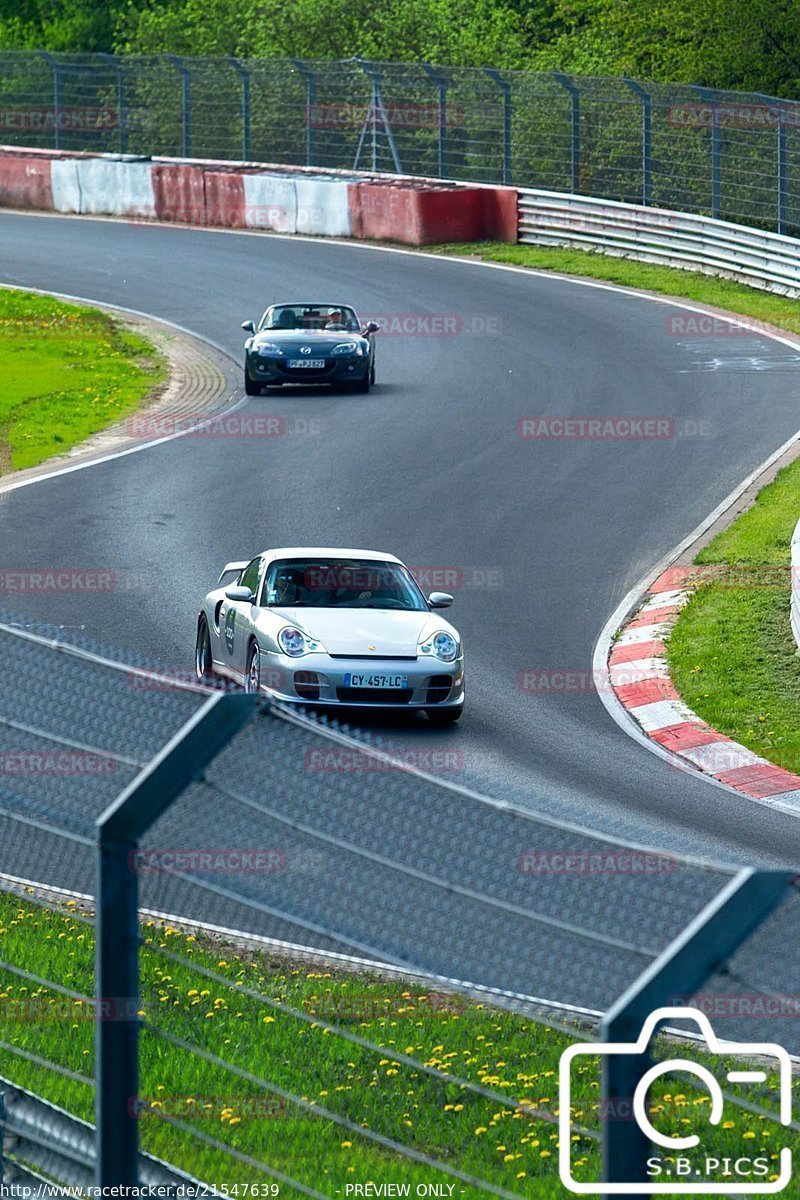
512 919
734 156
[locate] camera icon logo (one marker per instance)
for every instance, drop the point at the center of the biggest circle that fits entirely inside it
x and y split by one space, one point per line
686 1175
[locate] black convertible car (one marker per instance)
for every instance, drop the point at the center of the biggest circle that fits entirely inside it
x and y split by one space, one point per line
309 343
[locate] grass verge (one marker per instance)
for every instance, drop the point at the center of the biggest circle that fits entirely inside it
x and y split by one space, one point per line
193 991
67 372
732 653
669 281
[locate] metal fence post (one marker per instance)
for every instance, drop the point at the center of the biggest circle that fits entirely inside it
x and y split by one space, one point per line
645 98
716 144
119 828
575 129
377 112
778 107
116 63
505 88
244 76
696 953
53 65
311 103
186 102
441 84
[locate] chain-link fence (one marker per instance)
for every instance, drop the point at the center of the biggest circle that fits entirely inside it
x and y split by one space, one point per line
348 969
726 154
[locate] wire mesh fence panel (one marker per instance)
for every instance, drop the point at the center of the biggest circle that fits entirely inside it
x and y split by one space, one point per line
726 154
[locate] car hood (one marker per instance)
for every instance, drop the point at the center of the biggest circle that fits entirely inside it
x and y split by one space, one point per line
292 340
366 631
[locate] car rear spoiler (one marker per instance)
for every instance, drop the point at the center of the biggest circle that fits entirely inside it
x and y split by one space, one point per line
231 567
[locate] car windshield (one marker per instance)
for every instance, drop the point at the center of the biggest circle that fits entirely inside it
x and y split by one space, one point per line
341 583
309 317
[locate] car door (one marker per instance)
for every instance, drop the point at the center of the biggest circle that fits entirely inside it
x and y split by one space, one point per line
236 620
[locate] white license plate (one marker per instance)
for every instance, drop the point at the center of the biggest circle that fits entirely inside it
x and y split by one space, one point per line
298 363
375 681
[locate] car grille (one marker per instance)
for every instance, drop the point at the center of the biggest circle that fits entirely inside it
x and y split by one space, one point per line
374 695
377 657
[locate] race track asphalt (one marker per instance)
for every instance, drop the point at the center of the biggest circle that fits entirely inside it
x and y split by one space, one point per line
547 536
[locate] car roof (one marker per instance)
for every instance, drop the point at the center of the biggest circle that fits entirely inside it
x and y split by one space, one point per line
334 552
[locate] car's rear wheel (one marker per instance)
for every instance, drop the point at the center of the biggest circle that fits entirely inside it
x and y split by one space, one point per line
252 680
444 716
203 661
251 389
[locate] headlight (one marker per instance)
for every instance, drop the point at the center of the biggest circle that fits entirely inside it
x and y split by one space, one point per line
269 350
294 643
442 645
348 348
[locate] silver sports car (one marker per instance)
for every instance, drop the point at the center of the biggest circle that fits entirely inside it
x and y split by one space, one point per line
348 628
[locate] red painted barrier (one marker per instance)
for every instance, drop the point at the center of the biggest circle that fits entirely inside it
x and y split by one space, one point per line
421 214
224 199
180 194
25 182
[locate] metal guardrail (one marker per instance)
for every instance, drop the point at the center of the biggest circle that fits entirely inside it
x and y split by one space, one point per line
676 239
43 1143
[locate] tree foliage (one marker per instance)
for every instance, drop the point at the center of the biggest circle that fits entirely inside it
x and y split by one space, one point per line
733 44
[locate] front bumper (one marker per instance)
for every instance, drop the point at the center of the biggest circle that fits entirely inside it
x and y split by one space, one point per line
319 679
268 371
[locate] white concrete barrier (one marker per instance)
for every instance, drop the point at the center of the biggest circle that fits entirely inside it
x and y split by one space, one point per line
796 583
270 202
116 188
65 185
323 207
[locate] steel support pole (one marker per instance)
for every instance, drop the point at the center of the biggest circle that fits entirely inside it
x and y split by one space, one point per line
708 942
119 828
244 79
575 129
311 102
710 98
53 65
441 84
186 102
644 96
505 88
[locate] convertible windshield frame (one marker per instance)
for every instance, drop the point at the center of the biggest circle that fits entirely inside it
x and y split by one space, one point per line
309 318
342 583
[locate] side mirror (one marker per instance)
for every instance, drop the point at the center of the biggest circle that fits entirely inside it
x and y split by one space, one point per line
248 327
239 593
440 600
371 327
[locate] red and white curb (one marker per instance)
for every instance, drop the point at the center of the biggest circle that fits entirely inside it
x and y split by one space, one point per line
640 679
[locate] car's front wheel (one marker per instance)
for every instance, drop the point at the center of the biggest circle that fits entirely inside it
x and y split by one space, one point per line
252 680
364 384
444 716
203 661
251 389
